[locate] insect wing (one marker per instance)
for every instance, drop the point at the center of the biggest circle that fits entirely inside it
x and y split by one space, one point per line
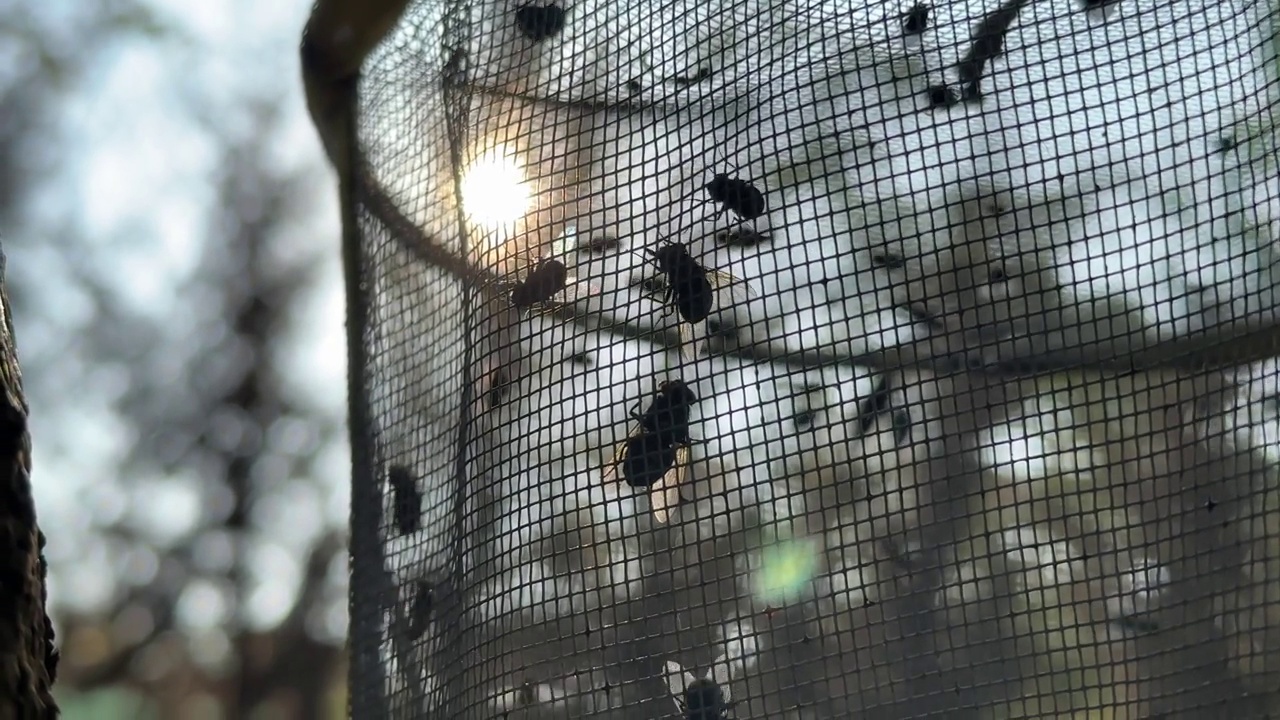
689 334
739 290
665 493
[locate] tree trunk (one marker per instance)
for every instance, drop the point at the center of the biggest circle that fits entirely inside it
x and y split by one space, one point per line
28 660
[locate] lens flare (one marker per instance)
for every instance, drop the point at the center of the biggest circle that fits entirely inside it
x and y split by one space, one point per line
494 192
786 568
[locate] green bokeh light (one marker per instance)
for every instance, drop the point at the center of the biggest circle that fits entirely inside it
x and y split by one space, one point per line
786 568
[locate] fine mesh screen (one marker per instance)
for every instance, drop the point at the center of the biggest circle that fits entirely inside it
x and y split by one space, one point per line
770 434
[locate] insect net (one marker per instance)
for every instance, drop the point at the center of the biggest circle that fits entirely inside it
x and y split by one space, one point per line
979 429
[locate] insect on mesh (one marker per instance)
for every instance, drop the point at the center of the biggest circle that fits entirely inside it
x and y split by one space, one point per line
752 441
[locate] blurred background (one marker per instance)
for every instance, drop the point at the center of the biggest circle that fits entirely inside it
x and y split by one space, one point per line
172 238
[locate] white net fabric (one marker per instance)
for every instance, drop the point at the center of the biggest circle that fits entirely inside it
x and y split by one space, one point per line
873 521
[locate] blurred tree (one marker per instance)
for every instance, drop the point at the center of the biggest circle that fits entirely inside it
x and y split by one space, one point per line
233 424
199 552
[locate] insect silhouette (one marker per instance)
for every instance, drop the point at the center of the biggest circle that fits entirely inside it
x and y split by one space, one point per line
690 290
549 281
655 454
740 196
698 698
539 22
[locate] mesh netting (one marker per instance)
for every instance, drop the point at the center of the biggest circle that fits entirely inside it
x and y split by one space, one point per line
740 359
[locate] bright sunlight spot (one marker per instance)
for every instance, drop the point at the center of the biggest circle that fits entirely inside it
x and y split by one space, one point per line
494 192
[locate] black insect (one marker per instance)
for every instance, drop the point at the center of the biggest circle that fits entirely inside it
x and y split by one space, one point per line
405 498
547 278
737 195
704 700
916 20
690 291
655 454
539 22
549 281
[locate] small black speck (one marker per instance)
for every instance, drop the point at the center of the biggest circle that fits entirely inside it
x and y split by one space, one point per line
804 420
941 96
582 359
1226 144
599 245
888 260
1210 505
634 86
1095 4
916 20
406 500
997 275
539 22
868 602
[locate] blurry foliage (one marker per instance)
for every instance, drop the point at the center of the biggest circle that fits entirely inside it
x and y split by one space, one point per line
189 457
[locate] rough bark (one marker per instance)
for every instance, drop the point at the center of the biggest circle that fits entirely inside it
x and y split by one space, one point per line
28 659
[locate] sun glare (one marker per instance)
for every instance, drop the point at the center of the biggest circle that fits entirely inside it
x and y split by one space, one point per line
494 192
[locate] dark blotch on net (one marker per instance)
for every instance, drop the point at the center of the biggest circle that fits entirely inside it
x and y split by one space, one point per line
539 22
941 96
406 500
704 73
916 20
599 245
421 609
741 238
988 44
